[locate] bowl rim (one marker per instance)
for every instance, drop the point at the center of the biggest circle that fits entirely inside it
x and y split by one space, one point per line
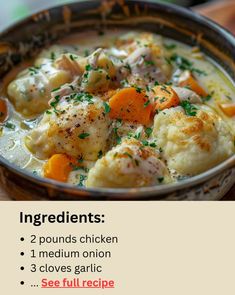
140 191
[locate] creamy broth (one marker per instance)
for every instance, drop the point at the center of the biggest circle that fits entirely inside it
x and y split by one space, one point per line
15 131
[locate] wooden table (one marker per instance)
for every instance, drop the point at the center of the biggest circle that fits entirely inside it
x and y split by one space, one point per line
223 13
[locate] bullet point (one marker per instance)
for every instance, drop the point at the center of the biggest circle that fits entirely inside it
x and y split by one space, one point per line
22 268
22 239
22 253
22 282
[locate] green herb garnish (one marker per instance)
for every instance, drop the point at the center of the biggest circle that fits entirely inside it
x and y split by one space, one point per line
190 109
160 179
100 154
148 131
146 103
82 179
170 46
73 57
128 155
185 64
88 67
53 55
106 108
10 125
83 135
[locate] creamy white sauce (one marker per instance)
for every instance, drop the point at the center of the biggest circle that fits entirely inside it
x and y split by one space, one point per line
12 146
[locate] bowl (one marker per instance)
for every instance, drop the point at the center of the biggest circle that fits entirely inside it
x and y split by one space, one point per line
24 40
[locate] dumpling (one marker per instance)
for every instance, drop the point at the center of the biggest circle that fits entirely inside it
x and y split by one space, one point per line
31 90
192 140
77 126
129 164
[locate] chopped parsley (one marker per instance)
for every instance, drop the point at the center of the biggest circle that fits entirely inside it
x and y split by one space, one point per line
190 109
33 70
55 102
208 97
146 103
118 138
9 125
53 55
185 64
128 67
160 179
137 136
170 46
145 142
149 63
119 121
82 179
76 168
81 97
153 144
88 67
73 57
138 89
55 89
167 60
148 131
83 135
106 108
100 154
164 88
128 155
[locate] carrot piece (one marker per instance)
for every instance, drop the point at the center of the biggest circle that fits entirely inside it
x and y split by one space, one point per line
165 97
3 110
131 104
58 167
228 109
188 80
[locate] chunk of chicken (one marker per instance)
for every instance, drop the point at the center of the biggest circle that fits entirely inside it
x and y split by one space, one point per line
186 94
76 126
129 164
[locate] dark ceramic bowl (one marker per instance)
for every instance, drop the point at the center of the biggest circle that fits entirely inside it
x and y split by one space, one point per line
27 37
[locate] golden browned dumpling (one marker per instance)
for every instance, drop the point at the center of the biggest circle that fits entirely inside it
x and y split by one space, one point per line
31 90
77 126
129 164
192 140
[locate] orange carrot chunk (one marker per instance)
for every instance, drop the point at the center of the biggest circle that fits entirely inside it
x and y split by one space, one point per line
58 167
165 97
228 109
3 110
189 81
131 104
